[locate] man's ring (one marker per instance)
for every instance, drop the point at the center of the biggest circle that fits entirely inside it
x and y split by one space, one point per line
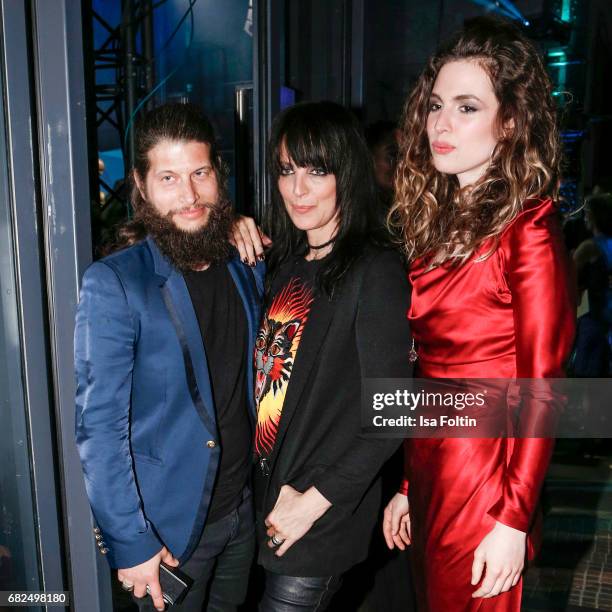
126 586
277 541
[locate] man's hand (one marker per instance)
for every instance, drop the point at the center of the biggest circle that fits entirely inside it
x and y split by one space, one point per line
502 550
293 515
248 238
396 522
147 573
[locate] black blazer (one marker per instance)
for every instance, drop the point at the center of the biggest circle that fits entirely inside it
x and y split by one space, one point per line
362 332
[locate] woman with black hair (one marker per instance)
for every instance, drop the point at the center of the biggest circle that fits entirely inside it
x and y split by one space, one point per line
335 314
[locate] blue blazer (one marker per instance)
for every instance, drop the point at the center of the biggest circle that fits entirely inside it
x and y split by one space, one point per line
146 428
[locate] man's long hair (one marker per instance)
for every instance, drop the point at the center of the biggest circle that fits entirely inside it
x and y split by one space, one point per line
173 122
434 215
323 135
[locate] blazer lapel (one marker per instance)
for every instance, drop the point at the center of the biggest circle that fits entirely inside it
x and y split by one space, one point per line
315 332
180 308
248 293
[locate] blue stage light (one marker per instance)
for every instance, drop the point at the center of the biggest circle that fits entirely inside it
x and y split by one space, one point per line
505 8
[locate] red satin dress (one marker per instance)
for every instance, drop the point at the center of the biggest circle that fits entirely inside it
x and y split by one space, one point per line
511 315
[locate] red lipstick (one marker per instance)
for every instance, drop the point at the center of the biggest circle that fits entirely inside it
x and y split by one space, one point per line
442 148
301 209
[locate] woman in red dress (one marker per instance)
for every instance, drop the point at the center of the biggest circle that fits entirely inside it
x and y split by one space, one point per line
476 184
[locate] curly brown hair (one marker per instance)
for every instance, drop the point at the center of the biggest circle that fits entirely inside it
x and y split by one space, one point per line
438 219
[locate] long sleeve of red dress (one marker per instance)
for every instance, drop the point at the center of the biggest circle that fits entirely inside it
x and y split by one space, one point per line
543 312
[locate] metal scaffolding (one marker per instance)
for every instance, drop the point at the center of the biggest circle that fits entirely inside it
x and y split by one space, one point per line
122 72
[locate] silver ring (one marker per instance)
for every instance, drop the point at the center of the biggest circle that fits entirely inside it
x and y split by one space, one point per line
126 586
276 541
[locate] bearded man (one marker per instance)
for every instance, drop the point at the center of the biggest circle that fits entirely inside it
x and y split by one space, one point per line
163 342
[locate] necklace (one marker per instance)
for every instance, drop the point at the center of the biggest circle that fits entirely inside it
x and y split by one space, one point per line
321 246
412 354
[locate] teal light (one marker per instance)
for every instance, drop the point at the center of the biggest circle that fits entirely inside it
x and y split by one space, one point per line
565 63
556 53
565 10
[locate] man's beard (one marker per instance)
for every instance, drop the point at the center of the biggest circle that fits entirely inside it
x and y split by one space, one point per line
188 250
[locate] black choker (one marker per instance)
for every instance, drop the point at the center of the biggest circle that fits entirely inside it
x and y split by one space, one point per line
321 246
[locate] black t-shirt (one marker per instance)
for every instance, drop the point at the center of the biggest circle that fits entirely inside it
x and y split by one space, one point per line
224 329
276 346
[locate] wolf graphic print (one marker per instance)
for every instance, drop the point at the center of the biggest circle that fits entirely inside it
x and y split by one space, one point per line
275 349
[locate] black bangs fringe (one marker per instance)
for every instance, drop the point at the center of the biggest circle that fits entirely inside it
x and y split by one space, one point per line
312 143
327 136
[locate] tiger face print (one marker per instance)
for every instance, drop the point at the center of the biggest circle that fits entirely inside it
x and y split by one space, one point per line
276 346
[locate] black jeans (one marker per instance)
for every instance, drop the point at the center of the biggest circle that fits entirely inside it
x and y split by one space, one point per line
220 564
298 593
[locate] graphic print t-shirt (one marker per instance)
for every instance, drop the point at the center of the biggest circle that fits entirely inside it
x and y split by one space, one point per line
276 347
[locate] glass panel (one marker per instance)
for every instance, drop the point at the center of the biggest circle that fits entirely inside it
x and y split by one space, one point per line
202 53
317 48
18 538
220 57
